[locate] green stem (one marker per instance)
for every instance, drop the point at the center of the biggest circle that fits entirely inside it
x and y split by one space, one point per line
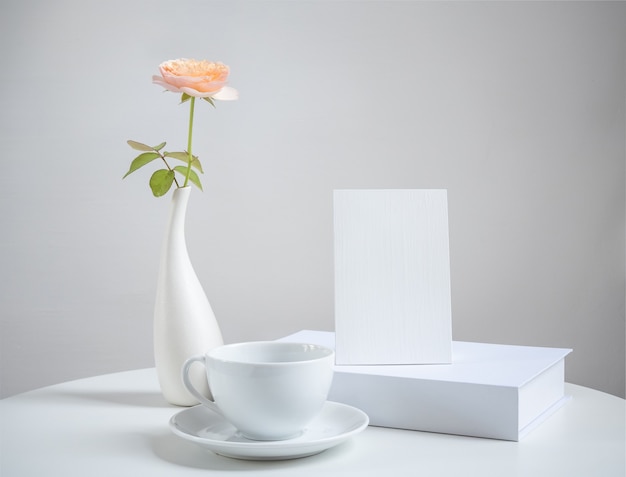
192 103
168 168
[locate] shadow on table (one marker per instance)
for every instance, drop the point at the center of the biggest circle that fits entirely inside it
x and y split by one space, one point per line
139 399
174 450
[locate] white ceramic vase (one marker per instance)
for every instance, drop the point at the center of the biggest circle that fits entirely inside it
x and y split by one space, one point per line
184 323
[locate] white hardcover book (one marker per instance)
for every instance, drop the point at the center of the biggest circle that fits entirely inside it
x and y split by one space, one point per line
489 390
392 277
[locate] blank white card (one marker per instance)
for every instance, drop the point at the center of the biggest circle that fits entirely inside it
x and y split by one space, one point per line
392 277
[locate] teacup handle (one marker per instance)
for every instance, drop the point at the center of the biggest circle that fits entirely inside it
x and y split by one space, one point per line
190 387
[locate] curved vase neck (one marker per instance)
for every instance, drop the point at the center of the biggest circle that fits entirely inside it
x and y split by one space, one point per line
180 198
181 193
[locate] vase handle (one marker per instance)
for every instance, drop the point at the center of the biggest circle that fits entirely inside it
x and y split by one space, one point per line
190 387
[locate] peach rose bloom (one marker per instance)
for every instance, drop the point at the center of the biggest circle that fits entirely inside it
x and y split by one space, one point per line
200 79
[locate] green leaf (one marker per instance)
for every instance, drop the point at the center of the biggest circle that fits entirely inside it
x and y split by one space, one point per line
141 160
196 163
159 147
139 146
193 177
161 182
208 99
183 156
184 98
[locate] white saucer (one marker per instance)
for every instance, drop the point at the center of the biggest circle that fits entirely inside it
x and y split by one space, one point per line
334 425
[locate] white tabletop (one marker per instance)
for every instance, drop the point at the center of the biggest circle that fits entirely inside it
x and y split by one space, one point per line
117 425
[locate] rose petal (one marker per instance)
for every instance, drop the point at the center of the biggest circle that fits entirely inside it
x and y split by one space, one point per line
227 93
196 93
161 82
201 84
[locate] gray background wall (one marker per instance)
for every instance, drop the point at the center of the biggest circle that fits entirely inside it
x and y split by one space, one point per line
518 109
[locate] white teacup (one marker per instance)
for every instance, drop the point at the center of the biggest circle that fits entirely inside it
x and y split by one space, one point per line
268 390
